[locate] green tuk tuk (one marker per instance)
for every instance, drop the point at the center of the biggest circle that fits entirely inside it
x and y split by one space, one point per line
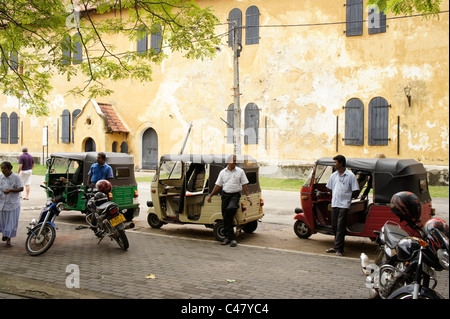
67 174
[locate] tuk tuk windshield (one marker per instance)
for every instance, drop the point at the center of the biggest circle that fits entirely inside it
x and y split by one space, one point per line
323 174
63 166
171 170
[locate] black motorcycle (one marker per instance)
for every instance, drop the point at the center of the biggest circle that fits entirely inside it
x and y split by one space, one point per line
422 259
105 218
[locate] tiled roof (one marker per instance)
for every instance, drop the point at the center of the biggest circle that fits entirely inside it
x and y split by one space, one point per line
113 121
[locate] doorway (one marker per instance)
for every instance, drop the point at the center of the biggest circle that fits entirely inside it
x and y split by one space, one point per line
150 149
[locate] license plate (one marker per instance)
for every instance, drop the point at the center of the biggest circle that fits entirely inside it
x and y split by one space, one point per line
117 220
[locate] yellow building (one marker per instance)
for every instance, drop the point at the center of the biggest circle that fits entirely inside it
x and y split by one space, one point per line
317 78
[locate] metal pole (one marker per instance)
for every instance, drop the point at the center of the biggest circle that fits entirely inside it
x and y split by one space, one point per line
236 105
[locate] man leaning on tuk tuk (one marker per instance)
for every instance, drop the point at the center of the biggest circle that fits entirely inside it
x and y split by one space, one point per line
232 180
343 186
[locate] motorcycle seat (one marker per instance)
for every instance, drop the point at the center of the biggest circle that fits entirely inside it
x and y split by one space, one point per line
393 234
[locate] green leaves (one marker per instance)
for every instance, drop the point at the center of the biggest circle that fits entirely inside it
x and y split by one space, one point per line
428 8
42 33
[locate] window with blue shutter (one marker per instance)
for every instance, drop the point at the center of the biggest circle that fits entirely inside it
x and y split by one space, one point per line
252 25
230 125
354 122
74 115
14 60
251 124
142 40
65 44
4 128
65 131
78 49
156 39
235 15
354 23
378 121
13 128
376 20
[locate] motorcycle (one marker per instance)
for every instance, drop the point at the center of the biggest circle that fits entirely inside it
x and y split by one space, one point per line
383 276
41 235
104 217
423 258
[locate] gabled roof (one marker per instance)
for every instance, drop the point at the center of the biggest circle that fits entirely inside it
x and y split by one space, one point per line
112 119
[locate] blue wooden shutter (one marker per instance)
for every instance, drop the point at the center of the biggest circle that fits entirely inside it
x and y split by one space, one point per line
5 128
14 60
251 125
74 115
230 121
235 15
65 131
156 39
378 121
66 50
354 17
252 25
377 21
13 128
354 122
142 40
78 49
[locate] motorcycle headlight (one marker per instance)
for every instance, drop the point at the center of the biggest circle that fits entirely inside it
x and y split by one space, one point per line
49 201
443 258
60 206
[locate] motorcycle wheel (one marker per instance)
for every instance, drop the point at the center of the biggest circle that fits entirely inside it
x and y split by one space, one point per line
406 292
39 245
122 239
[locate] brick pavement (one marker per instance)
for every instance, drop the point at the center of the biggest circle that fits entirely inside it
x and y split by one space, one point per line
188 268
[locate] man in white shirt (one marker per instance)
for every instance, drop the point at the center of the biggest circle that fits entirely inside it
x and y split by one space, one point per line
344 187
232 180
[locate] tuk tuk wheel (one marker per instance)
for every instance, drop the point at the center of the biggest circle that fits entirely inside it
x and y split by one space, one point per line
301 229
250 227
219 230
154 221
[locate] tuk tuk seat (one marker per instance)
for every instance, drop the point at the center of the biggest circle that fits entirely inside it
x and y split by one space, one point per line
359 206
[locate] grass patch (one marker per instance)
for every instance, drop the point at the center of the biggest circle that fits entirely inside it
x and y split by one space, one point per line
270 183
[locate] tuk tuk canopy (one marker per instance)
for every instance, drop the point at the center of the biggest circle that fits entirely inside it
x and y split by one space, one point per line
390 176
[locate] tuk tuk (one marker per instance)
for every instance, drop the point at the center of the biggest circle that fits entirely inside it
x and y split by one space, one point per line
182 184
379 179
67 174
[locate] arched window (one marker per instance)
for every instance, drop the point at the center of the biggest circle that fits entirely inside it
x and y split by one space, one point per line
124 147
251 124
378 121
4 128
234 16
13 128
114 147
354 122
65 127
252 25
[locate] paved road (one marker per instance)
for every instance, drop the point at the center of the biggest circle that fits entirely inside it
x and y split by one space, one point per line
185 267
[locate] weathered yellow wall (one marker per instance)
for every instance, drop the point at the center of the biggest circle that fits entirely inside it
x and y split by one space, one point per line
300 77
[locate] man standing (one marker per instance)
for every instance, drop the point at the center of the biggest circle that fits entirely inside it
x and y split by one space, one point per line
100 170
344 186
26 165
232 180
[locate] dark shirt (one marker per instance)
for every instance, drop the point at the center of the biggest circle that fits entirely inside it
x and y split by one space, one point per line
27 161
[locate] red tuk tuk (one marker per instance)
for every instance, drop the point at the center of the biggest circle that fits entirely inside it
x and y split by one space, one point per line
379 179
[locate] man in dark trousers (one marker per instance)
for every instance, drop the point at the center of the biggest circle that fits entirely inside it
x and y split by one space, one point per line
343 186
232 180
